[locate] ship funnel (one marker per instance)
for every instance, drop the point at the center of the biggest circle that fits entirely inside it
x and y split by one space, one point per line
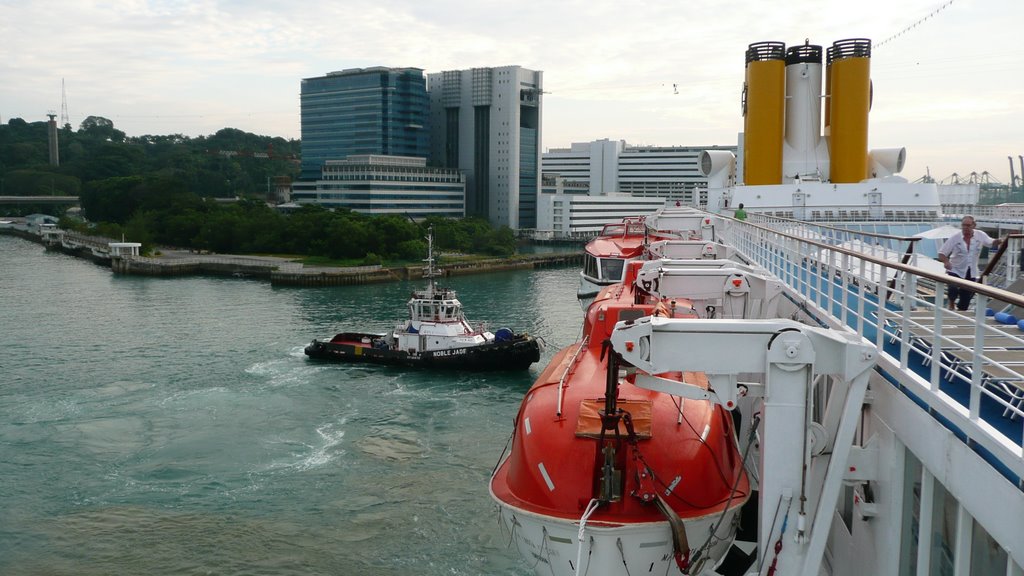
849 104
805 154
764 94
829 57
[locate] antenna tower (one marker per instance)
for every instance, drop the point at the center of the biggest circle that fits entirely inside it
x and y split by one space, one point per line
65 120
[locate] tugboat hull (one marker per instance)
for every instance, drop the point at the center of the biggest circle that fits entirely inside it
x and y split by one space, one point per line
518 353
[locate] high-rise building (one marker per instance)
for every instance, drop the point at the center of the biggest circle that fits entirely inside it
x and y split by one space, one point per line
487 123
363 111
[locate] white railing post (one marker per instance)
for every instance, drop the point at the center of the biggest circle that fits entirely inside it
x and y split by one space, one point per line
880 312
843 284
936 353
905 309
861 296
974 405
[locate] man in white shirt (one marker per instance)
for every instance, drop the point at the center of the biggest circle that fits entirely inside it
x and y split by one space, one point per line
959 254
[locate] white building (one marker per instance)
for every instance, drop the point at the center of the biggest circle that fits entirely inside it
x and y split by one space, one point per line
557 184
487 123
575 215
612 166
594 183
373 184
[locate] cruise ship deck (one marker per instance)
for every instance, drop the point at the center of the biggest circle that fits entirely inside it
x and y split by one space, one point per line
965 368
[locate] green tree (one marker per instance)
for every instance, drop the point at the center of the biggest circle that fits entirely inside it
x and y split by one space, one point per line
100 128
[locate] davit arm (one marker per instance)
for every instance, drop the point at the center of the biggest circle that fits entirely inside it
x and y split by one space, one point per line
789 355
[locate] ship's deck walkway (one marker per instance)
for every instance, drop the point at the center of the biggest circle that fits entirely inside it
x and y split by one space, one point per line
965 347
964 368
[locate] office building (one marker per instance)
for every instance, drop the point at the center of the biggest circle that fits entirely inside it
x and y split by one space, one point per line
380 111
595 163
487 123
373 184
578 215
556 184
612 166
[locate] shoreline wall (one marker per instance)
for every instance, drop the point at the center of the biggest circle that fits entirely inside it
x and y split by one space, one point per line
290 274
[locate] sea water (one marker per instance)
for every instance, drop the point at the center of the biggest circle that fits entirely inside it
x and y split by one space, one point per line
174 426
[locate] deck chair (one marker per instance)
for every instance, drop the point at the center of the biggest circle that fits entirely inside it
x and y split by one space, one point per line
1017 288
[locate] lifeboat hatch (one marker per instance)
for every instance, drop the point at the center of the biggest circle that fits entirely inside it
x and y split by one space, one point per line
588 424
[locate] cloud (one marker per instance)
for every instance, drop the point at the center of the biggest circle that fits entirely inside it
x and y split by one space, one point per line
195 66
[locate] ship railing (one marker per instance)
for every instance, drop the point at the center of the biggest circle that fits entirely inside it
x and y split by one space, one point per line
867 233
1003 268
1012 214
853 213
965 367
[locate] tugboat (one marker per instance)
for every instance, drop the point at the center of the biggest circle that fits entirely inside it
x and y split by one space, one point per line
436 335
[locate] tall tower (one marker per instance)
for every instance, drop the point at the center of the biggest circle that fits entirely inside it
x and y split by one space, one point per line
65 119
51 131
487 123
382 111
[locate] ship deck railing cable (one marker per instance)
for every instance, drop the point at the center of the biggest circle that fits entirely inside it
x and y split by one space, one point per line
965 367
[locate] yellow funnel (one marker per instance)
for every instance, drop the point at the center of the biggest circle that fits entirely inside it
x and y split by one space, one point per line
849 105
764 113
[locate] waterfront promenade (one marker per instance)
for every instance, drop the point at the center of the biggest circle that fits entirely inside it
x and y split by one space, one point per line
278 270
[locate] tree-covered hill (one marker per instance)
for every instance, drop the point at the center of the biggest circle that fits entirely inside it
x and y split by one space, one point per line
165 190
227 164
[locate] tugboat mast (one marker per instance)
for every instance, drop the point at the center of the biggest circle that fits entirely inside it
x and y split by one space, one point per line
429 272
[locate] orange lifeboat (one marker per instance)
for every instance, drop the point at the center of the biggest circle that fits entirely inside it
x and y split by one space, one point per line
652 477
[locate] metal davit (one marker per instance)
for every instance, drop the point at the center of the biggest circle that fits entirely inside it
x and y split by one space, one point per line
764 112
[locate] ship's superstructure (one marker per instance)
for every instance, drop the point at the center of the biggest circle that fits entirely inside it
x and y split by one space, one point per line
855 424
804 152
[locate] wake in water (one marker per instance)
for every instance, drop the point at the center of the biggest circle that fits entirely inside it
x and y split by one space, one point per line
309 455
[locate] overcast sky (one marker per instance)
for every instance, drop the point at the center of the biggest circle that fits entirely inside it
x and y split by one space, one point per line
950 88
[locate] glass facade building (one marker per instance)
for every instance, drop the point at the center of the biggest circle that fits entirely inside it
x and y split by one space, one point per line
363 111
528 181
